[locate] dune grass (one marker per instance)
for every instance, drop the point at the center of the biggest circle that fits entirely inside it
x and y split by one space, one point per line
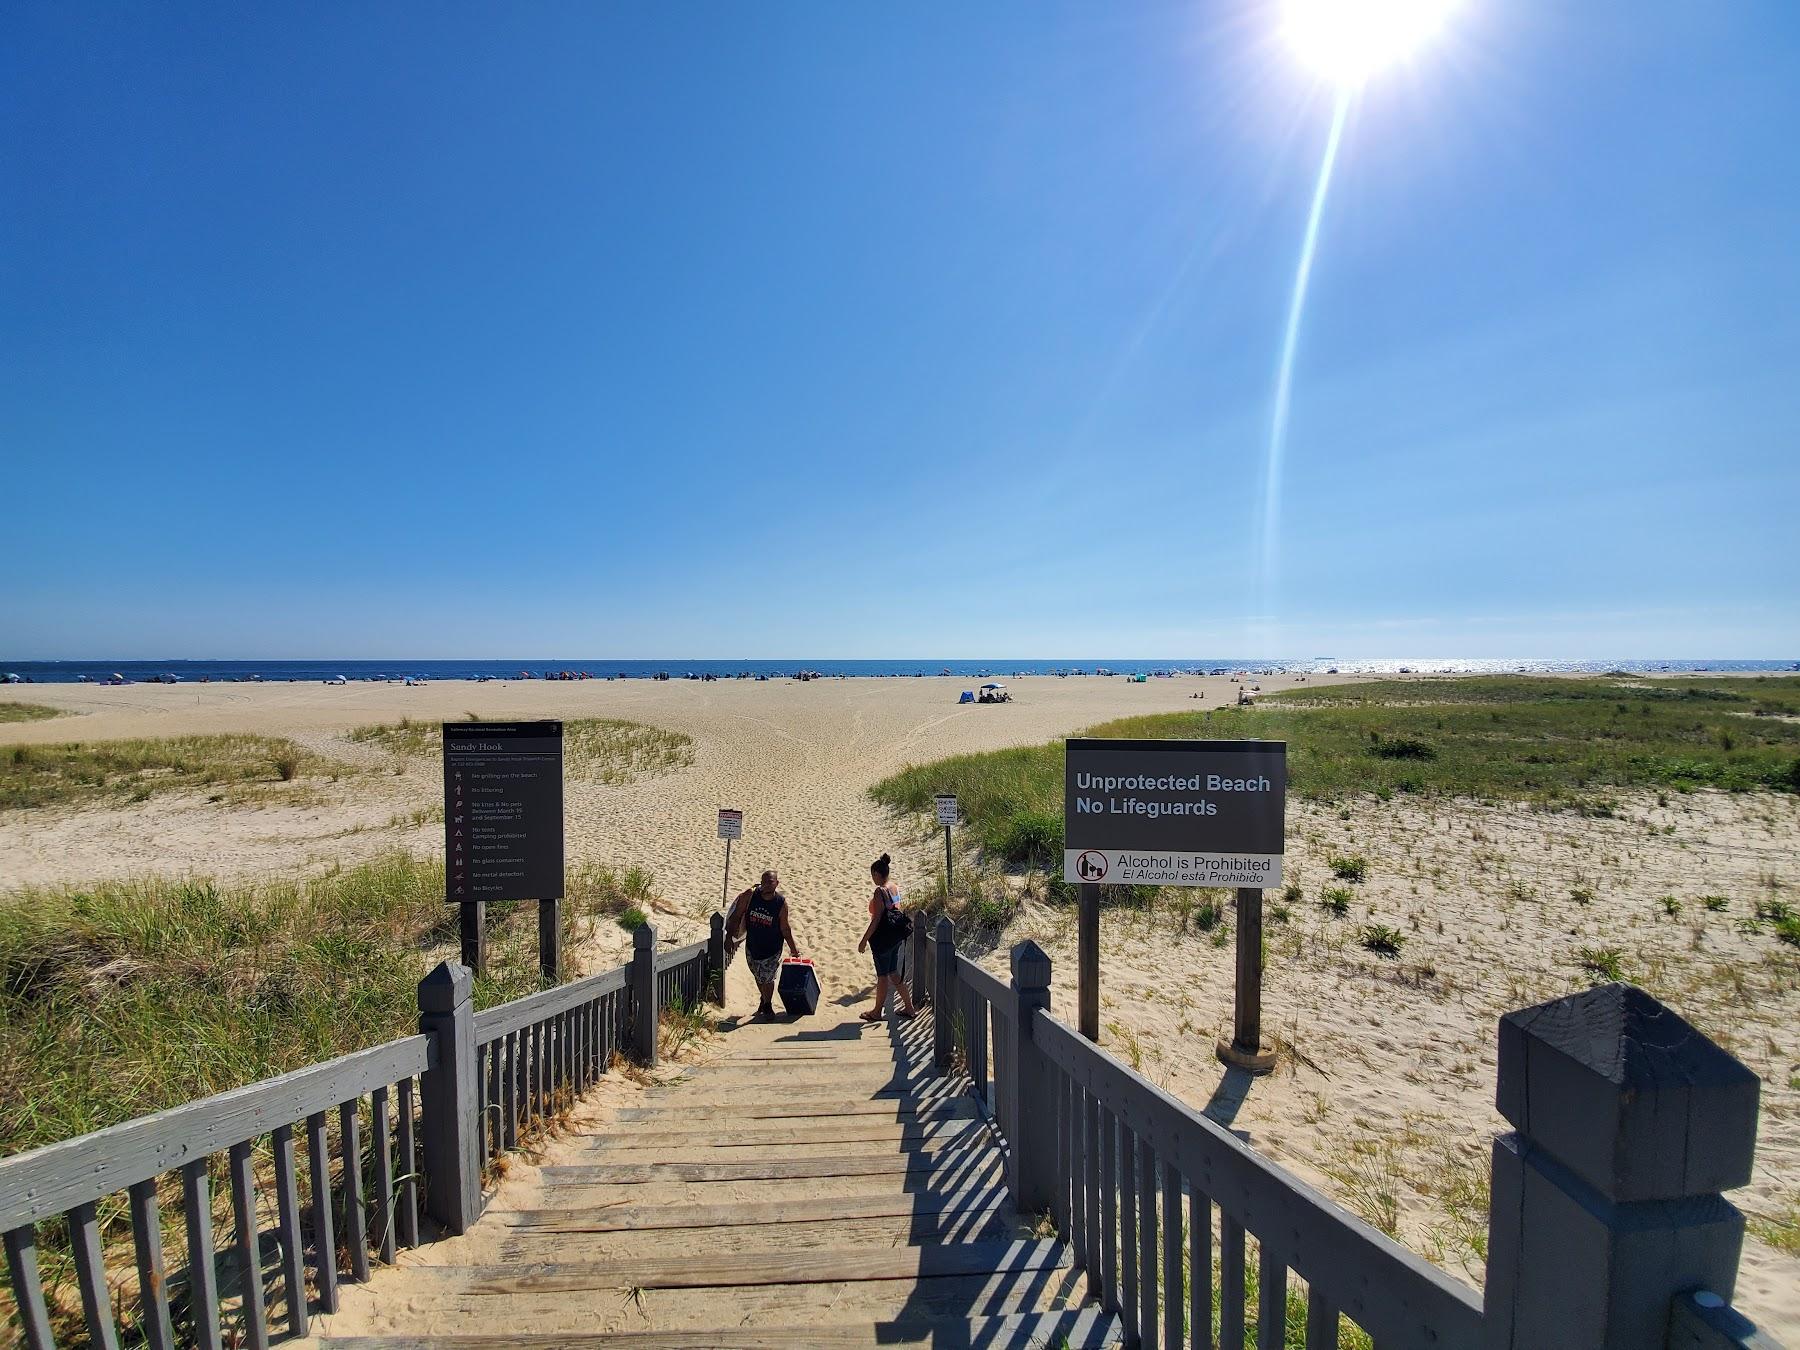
595 749
26 712
129 997
1559 743
46 775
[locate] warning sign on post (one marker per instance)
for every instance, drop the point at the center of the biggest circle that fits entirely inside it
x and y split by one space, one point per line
503 811
1174 813
946 809
731 824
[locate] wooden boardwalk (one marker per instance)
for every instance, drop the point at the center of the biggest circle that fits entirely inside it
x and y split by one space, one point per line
816 1184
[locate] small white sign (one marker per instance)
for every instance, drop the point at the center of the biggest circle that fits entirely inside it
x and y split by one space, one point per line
731 824
1145 867
946 809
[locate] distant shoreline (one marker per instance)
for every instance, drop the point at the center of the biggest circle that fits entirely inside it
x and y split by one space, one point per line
398 671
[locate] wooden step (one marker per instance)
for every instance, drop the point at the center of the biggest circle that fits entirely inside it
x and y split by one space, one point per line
1077 1329
892 1108
797 1209
772 1240
749 1169
953 1173
726 1134
624 1149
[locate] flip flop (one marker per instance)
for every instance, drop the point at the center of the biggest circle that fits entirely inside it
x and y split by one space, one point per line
907 1016
868 1017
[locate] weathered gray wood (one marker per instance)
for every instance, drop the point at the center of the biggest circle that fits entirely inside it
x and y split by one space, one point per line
379 1137
249 1253
893 1106
1067 1329
56 1178
448 1100
1126 1180
507 1050
1171 1257
203 1278
28 1287
642 976
908 1131
1231 1282
1032 1108
1246 1035
318 1176
287 1210
1400 1299
1200 1276
1606 1203
408 1181
153 1284
1701 1320
715 960
356 1231
943 994
1087 961
1147 1245
948 1207
1271 1306
774 1168
1321 1322
90 1275
493 1023
989 988
1076 1108
702 1270
678 959
1109 1210
550 939
1091 1119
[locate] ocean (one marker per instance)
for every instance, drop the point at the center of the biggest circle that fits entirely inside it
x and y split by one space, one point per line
188 671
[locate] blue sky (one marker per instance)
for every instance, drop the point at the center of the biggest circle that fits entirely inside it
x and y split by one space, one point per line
849 330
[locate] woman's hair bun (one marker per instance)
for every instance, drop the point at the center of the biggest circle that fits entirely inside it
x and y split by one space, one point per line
886 859
880 866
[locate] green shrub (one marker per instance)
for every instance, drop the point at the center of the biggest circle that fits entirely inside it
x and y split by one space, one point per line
1671 906
1029 839
1715 903
1337 899
1378 937
631 918
1603 962
1353 868
1400 747
1582 895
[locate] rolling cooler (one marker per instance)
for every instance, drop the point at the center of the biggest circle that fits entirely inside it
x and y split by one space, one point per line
798 987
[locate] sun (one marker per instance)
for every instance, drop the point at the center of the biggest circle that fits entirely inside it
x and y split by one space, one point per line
1349 40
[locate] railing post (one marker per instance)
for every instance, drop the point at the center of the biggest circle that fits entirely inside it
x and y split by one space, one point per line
448 1104
1606 1205
715 960
920 977
943 997
1031 1160
643 994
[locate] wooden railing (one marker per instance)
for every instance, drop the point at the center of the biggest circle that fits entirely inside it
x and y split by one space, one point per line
413 1119
1604 1233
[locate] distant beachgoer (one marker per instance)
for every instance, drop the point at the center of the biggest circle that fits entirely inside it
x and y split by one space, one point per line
759 918
884 939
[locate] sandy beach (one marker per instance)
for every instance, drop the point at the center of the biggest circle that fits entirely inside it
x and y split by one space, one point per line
1384 1094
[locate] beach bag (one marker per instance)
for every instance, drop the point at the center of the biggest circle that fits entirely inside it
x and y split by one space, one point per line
895 927
798 985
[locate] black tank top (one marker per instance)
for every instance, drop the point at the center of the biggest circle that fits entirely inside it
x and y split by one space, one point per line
762 924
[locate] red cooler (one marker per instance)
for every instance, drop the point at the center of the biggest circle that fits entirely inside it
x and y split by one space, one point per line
798 987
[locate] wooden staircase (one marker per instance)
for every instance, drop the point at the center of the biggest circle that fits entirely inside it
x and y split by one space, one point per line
815 1184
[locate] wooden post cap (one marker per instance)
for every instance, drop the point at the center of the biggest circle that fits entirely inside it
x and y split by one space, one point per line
1030 966
643 937
1628 1095
447 986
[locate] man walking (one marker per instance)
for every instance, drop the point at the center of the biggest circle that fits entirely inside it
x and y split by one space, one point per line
760 918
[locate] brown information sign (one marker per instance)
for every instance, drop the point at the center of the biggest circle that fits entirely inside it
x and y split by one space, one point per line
1174 813
503 811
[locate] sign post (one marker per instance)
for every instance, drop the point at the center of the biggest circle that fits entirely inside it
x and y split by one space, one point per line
946 814
503 829
1177 813
731 826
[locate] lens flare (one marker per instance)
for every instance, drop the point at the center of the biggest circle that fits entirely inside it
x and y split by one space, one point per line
1349 40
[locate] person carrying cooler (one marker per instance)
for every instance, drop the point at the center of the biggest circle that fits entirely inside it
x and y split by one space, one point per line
886 932
760 917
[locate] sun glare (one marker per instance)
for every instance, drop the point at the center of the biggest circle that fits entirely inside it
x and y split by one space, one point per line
1349 40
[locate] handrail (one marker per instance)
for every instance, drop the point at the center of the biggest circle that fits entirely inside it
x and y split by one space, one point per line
1396 1296
493 1023
681 956
57 1177
988 986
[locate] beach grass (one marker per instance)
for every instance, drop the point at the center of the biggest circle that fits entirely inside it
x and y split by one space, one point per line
1556 743
595 749
26 712
46 775
128 997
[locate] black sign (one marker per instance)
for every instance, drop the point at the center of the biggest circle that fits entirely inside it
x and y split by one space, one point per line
503 811
1174 813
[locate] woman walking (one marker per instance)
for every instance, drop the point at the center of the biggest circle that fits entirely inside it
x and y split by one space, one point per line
882 936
